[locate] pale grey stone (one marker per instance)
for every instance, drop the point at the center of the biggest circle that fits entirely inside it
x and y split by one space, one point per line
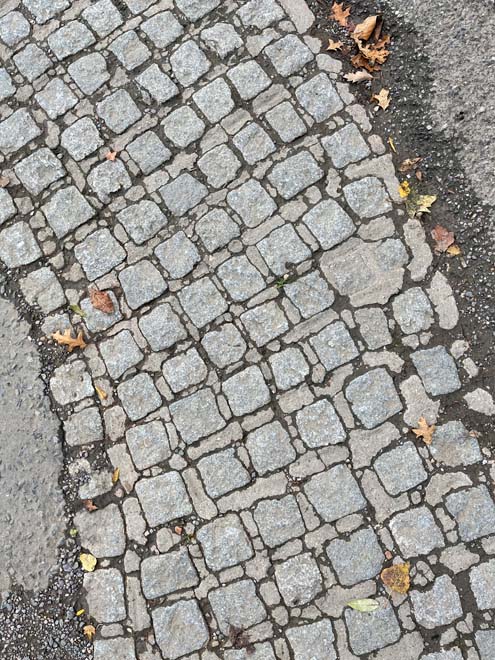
196 416
119 647
437 370
295 174
43 10
120 353
313 641
148 444
163 574
367 197
451 654
67 210
474 512
162 327
453 445
270 448
105 595
84 428
319 425
202 302
240 278
70 39
251 202
138 6
41 287
99 253
103 17
13 28
183 193
310 294
225 345
178 255
141 283
319 97
289 368
372 631
71 382
139 396
254 143
437 606
246 391
279 521
256 652
216 229
98 321
260 13
183 126
222 38
416 532
249 79
329 223
373 397
163 29
189 63
334 493
282 248
160 86
7 88
289 55
108 178
142 221
334 345
163 498
480 401
56 98
81 139
32 62
17 130
237 605
179 628
101 532
286 122
196 9
345 146
222 472
148 151
265 323
298 580
220 166
357 558
89 72
118 111
482 582
214 100
412 311
18 246
224 543
485 641
184 370
400 469
130 50
373 327
39 170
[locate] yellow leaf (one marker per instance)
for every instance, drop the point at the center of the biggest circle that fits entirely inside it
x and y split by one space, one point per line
115 475
364 604
418 204
396 578
80 612
454 250
382 98
89 631
88 562
68 340
404 189
334 45
101 393
392 144
424 431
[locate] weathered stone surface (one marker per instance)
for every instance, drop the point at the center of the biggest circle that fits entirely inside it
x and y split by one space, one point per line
314 640
224 543
438 605
246 391
222 472
334 493
310 294
295 174
329 223
101 532
196 416
373 397
400 469
319 425
237 605
474 512
437 370
39 170
179 628
105 595
269 448
356 559
264 323
334 346
139 396
163 574
163 498
282 248
279 520
251 202
202 302
99 253
416 532
148 444
373 631
288 55
454 445
225 345
413 311
298 579
141 283
345 146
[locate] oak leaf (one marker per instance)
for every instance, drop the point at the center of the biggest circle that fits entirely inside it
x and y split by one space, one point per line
396 578
88 562
68 340
359 61
382 98
334 45
89 632
358 76
409 164
443 238
365 29
424 431
340 14
101 300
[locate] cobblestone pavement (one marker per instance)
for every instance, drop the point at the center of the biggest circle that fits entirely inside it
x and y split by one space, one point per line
277 330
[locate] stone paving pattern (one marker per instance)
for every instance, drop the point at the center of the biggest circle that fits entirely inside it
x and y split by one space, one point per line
277 330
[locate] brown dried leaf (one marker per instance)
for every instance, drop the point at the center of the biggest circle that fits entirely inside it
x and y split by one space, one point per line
359 61
443 238
68 340
409 164
89 631
115 475
396 578
101 300
454 250
424 431
382 98
89 505
334 45
358 76
111 155
339 14
365 29
4 181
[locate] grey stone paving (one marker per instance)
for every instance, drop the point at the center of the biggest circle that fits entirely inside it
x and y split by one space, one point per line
276 331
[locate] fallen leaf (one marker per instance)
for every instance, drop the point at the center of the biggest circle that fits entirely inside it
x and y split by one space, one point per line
73 533
364 604
339 14
80 612
4 181
396 578
358 76
68 340
419 204
419 175
392 144
365 29
454 250
89 631
101 300
388 554
111 155
334 45
443 238
240 640
404 189
409 164
77 310
178 530
382 98
424 431
115 475
89 505
88 562
101 393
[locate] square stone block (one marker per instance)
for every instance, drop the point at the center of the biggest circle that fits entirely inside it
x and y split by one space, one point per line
142 220
148 151
270 448
224 345
182 194
178 255
264 323
286 122
313 641
474 512
319 425
329 223
141 283
184 370
334 345
222 472
249 79
298 580
240 278
416 532
180 629
335 493
437 606
189 63
251 202
400 469
288 55
279 521
373 631
437 370
105 595
237 605
66 210
162 327
289 368
163 498
224 543
148 444
163 574
345 146
373 397
99 253
197 416
319 97
202 302
139 396
295 174
357 558
246 391
81 139
216 229
39 170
